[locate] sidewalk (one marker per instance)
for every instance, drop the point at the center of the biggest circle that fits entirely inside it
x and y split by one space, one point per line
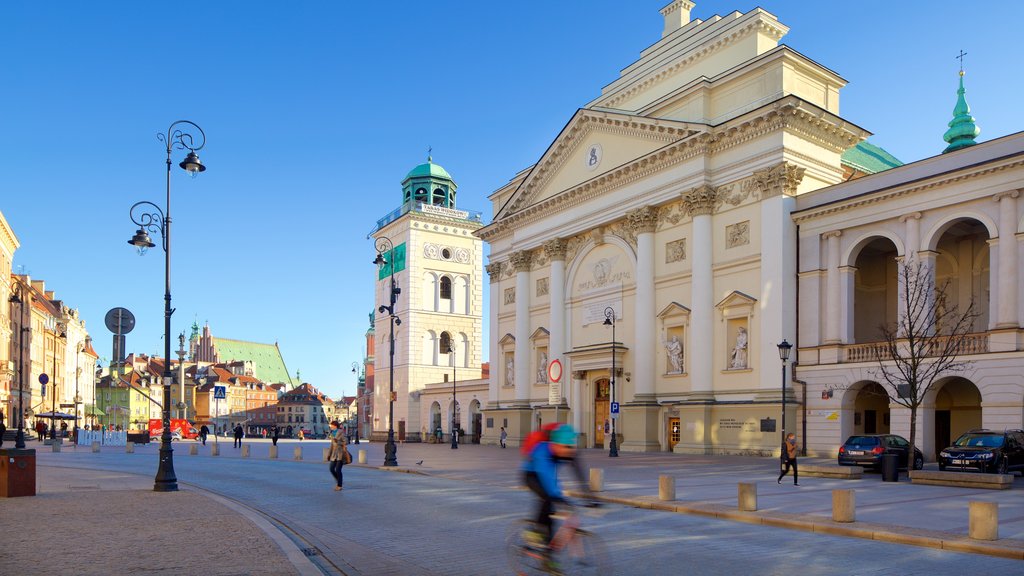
77 526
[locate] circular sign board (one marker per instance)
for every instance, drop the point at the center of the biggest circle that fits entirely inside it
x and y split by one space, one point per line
555 370
119 320
43 378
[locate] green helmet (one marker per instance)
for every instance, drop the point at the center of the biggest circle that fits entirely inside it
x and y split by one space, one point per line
564 435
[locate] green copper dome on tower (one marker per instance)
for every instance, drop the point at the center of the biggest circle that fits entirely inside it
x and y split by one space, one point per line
962 129
430 184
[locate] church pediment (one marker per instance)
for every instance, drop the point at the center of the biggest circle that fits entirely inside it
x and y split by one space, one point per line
594 143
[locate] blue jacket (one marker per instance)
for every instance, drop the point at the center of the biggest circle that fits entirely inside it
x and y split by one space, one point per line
543 463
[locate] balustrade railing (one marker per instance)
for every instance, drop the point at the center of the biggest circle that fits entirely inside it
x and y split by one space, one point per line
872 351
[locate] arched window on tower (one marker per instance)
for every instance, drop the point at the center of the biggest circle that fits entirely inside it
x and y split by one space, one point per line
439 197
444 345
446 288
421 195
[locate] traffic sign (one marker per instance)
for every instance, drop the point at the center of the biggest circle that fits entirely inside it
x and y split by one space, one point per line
555 370
220 392
43 378
615 407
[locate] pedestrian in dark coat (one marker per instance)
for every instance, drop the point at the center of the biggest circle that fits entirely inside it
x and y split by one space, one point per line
238 436
3 429
789 458
275 432
204 431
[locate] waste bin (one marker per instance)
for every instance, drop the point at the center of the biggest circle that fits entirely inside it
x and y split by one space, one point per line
890 468
17 473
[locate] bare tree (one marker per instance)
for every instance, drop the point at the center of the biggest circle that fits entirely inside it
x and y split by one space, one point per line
925 343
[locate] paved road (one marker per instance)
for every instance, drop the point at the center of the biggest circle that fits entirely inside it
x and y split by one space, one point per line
388 523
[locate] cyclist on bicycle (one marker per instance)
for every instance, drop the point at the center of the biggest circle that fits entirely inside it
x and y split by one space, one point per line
540 469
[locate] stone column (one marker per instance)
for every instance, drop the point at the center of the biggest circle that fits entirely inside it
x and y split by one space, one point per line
639 422
776 304
1008 260
909 259
642 222
579 405
555 250
494 271
700 203
832 308
521 263
847 287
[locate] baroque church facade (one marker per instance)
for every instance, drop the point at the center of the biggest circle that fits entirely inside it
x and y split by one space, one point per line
711 204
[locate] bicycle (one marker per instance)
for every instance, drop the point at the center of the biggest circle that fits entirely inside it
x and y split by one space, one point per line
573 550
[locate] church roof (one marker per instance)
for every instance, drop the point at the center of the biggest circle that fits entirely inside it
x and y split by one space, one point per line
868 158
267 362
428 169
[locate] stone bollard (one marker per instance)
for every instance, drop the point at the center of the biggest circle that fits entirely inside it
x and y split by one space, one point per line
983 520
129 448
95 446
273 452
327 451
666 488
298 452
362 456
56 445
245 450
597 479
193 450
844 506
746 496
215 449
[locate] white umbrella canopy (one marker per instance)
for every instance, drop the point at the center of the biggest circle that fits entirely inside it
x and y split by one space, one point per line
55 416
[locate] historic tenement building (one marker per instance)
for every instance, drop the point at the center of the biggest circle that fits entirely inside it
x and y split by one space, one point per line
712 203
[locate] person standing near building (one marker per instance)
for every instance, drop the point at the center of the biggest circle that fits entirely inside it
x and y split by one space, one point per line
338 454
3 429
275 432
203 433
789 458
504 435
238 435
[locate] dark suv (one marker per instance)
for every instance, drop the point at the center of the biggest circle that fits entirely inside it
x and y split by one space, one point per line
985 451
867 450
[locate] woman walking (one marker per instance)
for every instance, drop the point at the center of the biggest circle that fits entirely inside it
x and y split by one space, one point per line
338 454
789 458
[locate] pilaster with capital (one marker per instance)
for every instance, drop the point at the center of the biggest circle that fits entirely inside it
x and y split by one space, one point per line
1007 280
556 249
643 222
832 285
521 261
494 271
781 179
700 201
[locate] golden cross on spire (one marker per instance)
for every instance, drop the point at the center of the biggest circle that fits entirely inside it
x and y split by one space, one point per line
430 152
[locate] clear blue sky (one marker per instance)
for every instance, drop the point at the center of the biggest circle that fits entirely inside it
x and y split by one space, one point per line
316 110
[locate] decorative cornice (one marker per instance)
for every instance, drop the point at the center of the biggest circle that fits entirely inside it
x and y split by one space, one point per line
700 201
642 220
521 260
494 271
669 70
875 197
556 249
781 179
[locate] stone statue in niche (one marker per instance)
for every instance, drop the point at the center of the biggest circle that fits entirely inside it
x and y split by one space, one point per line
674 348
510 372
738 359
542 367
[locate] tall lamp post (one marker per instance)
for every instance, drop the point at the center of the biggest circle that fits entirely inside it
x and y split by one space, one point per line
78 372
384 245
455 402
609 320
17 298
356 369
149 218
53 326
784 348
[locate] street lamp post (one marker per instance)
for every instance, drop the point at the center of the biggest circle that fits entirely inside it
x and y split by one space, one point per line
160 222
455 402
52 324
384 245
356 369
78 372
609 320
784 348
17 298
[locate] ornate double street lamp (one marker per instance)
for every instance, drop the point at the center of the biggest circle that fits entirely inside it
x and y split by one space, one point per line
149 218
784 348
53 325
455 402
78 372
17 298
609 320
384 245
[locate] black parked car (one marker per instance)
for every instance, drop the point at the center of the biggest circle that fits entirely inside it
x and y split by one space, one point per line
985 451
867 449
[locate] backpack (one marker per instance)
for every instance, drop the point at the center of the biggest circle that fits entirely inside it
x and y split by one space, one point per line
536 437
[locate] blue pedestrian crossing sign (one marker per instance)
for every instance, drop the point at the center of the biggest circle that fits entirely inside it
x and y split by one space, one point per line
220 392
615 407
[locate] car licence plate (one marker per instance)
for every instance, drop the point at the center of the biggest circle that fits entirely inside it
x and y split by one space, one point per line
959 461
856 452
